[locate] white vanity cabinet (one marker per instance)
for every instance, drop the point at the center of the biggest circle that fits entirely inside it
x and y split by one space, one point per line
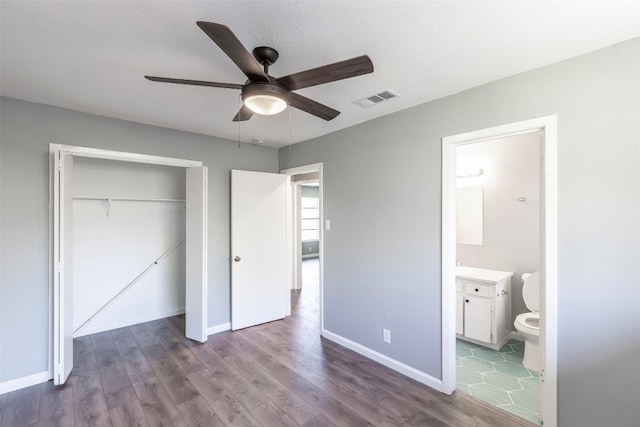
483 300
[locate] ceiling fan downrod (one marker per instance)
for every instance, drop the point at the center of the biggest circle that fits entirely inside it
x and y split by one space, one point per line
267 56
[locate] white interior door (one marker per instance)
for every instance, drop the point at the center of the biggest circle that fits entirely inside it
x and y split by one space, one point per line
63 257
258 248
196 255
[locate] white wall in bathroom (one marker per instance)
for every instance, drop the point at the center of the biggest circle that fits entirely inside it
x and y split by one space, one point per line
511 227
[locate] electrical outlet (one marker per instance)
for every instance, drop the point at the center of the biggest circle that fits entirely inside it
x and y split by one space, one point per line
386 336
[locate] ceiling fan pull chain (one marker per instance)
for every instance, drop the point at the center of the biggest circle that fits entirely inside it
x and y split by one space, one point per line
241 103
290 132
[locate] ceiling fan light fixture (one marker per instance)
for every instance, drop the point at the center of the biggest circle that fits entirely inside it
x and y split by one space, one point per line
265 98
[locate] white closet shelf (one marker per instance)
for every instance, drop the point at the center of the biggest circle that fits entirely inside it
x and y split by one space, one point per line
126 199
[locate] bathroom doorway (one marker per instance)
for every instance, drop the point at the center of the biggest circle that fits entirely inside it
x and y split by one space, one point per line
476 233
498 243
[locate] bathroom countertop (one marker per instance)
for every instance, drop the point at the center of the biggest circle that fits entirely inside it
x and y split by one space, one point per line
481 274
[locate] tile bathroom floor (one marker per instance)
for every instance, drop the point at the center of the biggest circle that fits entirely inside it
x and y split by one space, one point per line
498 377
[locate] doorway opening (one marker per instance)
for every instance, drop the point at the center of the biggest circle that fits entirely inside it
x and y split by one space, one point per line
308 241
547 375
61 267
305 237
498 243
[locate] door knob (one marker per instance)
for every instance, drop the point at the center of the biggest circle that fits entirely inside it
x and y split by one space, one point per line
236 259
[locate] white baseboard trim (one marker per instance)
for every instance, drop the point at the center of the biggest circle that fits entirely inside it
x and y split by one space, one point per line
404 369
134 321
513 335
29 380
218 328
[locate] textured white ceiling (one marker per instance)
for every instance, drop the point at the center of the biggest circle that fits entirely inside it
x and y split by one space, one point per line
92 56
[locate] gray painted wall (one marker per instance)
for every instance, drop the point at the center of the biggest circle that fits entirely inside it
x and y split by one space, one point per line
26 131
310 249
511 228
385 272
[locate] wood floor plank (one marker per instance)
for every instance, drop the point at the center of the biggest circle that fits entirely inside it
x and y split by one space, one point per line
143 336
320 400
105 349
293 405
91 410
3 401
258 404
197 413
316 369
319 421
130 414
488 415
57 407
85 383
157 404
116 385
84 358
179 349
223 402
135 362
21 407
175 381
366 409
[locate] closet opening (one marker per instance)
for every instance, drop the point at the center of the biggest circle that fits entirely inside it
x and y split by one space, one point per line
170 214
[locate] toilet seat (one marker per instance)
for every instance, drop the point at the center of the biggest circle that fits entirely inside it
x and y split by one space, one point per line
527 322
531 291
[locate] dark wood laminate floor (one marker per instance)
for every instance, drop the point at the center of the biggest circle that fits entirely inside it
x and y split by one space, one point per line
278 374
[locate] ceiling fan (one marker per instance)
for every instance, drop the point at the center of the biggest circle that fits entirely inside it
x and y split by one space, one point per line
265 94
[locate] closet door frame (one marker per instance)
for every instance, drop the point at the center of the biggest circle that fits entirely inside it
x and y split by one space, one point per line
57 251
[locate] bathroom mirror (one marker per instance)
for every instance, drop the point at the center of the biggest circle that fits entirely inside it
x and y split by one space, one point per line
469 215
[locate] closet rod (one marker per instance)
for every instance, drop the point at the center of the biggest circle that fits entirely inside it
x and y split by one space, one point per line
127 199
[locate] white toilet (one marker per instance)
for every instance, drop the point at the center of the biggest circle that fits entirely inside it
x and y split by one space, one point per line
528 324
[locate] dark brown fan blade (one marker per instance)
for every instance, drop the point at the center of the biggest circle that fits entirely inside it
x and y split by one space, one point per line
243 115
193 82
312 107
328 73
229 43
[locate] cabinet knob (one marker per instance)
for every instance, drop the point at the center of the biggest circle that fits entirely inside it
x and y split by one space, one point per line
466 300
477 290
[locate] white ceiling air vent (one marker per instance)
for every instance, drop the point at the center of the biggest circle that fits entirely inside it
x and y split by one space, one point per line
369 101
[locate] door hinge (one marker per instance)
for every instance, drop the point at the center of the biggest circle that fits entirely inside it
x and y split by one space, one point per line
60 267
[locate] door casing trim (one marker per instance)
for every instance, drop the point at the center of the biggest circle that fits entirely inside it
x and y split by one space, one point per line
549 252
97 153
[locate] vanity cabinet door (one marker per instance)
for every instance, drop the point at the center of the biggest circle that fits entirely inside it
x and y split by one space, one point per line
477 318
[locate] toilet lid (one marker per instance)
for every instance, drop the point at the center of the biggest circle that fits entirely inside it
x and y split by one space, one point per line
531 292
